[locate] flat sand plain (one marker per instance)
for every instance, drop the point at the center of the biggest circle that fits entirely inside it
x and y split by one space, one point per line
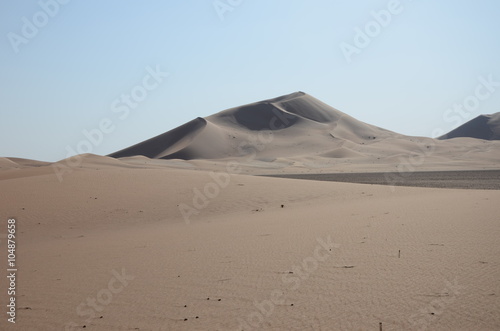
123 246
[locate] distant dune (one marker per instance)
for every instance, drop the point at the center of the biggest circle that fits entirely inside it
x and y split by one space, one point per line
298 124
298 133
17 163
485 127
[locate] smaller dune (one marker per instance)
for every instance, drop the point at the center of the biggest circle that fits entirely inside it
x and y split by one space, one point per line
485 127
6 163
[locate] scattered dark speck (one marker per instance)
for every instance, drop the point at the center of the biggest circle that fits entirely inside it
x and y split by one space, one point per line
219 299
282 206
291 305
185 319
208 298
197 317
185 306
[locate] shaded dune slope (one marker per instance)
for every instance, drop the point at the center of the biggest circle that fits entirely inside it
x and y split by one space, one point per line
171 142
486 127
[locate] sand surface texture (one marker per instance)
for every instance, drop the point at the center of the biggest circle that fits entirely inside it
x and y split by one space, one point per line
108 248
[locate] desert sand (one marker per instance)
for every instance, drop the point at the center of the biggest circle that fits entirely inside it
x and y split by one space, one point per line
264 253
179 232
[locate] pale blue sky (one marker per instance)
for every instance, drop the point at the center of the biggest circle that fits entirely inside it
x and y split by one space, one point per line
64 79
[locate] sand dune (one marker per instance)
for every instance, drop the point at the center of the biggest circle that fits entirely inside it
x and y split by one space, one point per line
6 163
278 135
274 122
482 127
14 162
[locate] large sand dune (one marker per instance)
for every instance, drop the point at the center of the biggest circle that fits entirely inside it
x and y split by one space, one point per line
281 123
298 133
